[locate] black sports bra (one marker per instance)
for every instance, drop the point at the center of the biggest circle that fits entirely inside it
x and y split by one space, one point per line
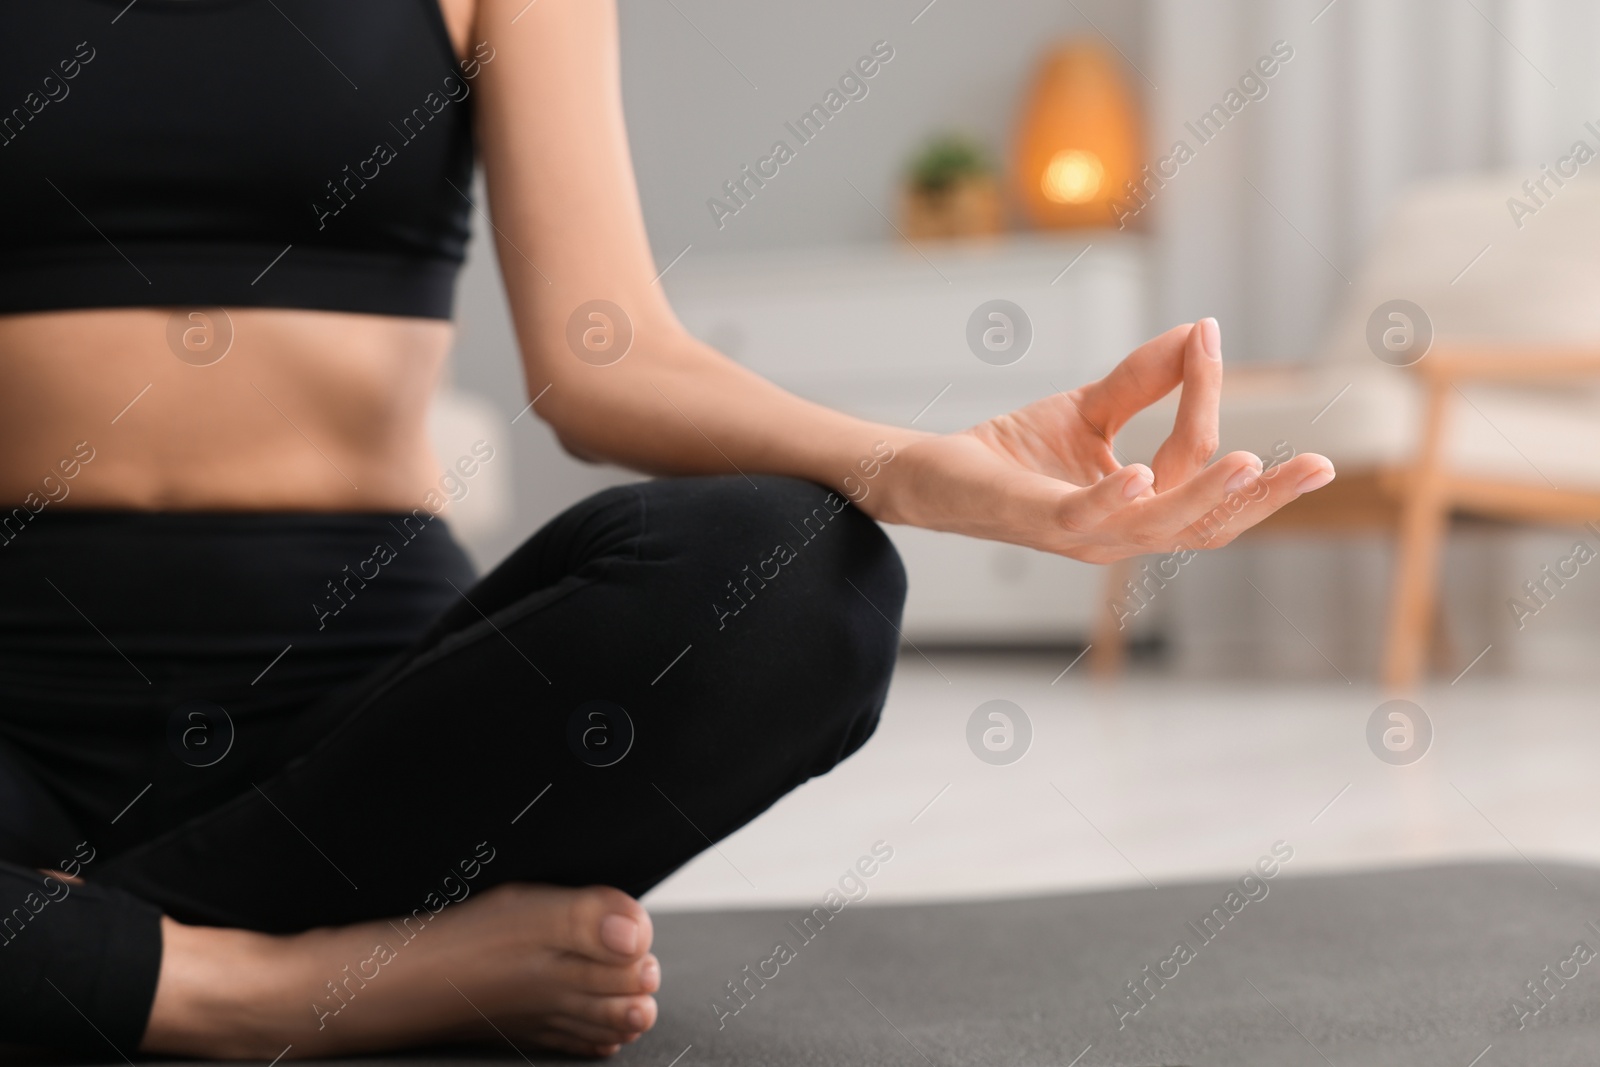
250 153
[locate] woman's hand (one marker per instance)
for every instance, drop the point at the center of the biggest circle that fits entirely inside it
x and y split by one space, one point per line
1047 475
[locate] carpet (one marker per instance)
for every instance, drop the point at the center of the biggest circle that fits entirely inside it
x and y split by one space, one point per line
1410 967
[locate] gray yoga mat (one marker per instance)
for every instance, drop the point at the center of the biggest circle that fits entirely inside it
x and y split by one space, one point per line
1410 967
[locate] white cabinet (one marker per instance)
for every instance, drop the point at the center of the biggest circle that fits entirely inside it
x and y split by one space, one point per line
881 331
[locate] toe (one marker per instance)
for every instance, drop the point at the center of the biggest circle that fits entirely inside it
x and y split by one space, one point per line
625 1015
587 976
563 1041
607 925
595 1034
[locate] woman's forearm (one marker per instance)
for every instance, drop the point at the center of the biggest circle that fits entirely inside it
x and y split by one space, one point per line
572 234
680 407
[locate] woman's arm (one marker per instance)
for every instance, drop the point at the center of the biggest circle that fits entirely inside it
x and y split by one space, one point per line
570 230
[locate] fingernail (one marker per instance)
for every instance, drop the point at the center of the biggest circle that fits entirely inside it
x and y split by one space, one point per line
1314 481
635 1019
1141 480
620 934
651 975
1211 337
1243 477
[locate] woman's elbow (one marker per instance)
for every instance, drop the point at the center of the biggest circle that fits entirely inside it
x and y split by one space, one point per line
574 445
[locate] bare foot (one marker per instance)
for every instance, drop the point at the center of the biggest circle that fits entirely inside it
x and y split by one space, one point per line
564 969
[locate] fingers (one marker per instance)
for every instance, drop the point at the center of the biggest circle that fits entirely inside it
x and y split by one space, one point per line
1191 515
1283 484
1315 479
1194 436
1217 505
1149 373
1190 355
1087 508
1100 458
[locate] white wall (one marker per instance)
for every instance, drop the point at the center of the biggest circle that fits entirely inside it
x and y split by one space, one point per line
693 120
1379 92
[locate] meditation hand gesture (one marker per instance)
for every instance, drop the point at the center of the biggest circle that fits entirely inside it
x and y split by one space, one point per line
1048 476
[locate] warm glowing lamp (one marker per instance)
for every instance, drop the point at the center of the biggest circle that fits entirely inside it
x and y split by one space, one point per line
1078 142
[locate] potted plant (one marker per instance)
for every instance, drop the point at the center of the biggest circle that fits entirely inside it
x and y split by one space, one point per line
951 191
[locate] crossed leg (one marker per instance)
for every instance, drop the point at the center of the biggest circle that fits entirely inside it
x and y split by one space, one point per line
647 674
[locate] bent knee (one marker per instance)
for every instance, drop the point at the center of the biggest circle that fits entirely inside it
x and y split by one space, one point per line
843 612
792 559
848 578
806 594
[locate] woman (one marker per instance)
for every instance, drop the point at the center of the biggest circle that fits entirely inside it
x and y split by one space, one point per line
422 809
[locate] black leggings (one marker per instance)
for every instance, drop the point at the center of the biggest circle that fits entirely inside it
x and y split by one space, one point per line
645 675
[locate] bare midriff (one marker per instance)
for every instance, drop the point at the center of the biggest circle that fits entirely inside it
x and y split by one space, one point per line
305 411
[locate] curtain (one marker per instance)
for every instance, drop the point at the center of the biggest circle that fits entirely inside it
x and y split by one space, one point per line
1266 223
1269 220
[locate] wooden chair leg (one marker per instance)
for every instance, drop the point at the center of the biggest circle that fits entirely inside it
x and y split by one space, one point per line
1412 592
1442 652
1109 635
1424 518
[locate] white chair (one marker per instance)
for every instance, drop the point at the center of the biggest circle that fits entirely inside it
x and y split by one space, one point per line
1499 419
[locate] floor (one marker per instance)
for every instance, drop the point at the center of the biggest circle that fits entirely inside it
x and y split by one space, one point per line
1152 781
1158 781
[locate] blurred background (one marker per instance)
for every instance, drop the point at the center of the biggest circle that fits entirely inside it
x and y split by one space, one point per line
1390 209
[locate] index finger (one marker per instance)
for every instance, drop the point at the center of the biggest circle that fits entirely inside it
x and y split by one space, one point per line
1149 373
1195 432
